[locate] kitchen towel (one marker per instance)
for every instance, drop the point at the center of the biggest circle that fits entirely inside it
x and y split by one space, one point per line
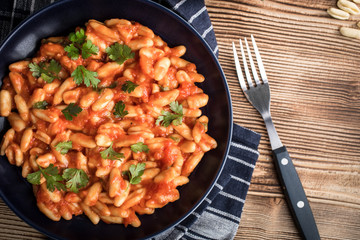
218 216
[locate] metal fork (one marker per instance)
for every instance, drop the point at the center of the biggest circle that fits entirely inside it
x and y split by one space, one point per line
259 96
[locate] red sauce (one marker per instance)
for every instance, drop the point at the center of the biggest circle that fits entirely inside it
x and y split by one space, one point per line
140 71
170 154
187 89
132 217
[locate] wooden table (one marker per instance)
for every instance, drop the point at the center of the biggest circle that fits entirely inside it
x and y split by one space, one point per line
314 75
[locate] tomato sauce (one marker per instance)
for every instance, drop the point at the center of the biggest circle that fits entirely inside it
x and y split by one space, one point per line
93 129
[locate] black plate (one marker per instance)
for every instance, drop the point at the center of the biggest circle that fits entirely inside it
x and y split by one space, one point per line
61 18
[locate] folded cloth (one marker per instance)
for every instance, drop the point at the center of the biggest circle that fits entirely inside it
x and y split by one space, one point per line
218 216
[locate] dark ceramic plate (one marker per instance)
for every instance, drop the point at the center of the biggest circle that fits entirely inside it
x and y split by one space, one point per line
60 19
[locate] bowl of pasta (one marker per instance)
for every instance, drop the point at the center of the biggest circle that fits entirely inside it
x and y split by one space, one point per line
115 120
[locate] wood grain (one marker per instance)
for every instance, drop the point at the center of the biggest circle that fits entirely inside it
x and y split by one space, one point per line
313 74
315 88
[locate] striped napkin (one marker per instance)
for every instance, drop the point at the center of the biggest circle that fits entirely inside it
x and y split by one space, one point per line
218 216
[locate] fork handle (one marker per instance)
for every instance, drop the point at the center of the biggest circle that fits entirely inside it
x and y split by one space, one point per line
295 195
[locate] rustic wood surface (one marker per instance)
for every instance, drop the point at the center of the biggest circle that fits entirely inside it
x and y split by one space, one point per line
314 78
313 74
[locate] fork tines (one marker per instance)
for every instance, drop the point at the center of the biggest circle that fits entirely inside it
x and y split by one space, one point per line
252 65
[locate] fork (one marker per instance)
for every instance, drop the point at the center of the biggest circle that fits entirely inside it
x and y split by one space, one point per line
259 96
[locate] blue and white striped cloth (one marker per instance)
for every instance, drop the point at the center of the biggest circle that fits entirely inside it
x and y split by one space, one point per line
218 216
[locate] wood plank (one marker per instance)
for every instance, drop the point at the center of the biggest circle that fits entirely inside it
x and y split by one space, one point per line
268 217
12 227
313 75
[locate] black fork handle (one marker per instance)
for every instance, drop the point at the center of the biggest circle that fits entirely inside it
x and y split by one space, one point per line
295 195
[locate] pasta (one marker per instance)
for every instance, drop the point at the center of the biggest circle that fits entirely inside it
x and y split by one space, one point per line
105 122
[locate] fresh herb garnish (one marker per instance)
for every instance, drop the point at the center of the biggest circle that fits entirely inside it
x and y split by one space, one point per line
80 44
176 139
71 110
47 71
119 53
164 89
111 154
119 110
82 75
139 147
73 52
63 147
166 118
112 85
88 49
129 86
40 105
76 179
51 174
135 172
78 36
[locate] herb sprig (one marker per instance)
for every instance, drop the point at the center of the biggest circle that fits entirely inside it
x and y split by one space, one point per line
119 110
71 110
82 75
139 147
51 174
166 118
129 86
63 147
119 53
80 44
135 172
40 105
47 71
111 154
75 178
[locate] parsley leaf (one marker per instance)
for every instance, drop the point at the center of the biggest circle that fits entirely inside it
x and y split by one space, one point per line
75 179
81 74
164 89
52 184
34 178
88 49
35 69
120 110
166 118
71 110
79 43
47 71
119 53
139 147
176 139
112 85
110 153
129 86
40 105
176 107
73 52
135 172
51 174
78 36
64 147
54 66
